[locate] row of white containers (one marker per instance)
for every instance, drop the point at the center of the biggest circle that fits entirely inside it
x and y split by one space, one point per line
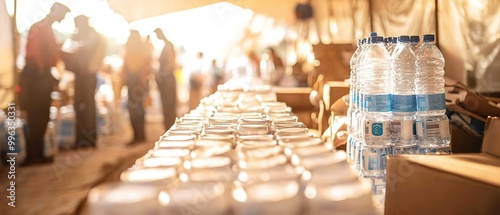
239 152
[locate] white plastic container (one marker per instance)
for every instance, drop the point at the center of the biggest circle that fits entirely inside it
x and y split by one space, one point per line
50 146
124 199
65 127
270 198
157 176
205 198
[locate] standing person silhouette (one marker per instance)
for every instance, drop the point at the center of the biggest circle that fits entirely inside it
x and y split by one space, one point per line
165 80
217 76
197 78
85 62
136 69
36 82
279 67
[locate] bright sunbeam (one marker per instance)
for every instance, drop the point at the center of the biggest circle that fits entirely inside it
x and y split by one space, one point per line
102 18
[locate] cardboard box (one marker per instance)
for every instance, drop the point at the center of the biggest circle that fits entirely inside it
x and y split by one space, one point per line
467 129
443 184
471 101
491 140
463 142
447 184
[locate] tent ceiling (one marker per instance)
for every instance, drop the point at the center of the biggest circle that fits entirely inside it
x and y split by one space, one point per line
139 9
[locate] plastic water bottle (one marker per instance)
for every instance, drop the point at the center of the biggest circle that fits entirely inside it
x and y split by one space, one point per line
375 68
394 42
353 92
65 128
397 47
404 106
432 125
387 42
415 40
391 44
358 114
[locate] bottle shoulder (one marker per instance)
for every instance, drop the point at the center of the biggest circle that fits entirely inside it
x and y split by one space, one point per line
429 50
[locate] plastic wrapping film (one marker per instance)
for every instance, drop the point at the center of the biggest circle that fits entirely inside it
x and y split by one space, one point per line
411 17
469 33
335 21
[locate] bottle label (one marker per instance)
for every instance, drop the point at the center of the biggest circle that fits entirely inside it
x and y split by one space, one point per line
351 96
376 130
361 101
432 128
428 102
357 153
351 147
404 103
354 97
402 129
374 159
377 103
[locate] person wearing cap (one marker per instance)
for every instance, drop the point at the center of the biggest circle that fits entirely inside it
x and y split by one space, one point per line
36 82
165 80
85 62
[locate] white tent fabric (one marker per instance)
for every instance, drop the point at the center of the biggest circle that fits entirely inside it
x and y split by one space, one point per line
470 41
411 17
468 30
6 56
134 10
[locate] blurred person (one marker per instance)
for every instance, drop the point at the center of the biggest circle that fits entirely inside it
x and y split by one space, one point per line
165 80
196 81
254 63
217 76
86 61
279 68
136 70
36 82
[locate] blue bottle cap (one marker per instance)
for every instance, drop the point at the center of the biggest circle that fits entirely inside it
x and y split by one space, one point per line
428 37
373 34
377 39
403 38
415 39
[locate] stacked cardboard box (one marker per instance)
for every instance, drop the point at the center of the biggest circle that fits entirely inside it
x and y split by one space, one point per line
467 111
447 184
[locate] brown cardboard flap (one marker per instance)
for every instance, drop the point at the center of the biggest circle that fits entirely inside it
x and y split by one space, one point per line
443 184
491 140
463 142
472 166
457 108
458 93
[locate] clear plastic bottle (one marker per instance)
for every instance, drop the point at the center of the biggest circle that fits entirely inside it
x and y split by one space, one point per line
387 42
375 68
390 45
353 92
404 107
358 114
394 42
414 41
432 125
